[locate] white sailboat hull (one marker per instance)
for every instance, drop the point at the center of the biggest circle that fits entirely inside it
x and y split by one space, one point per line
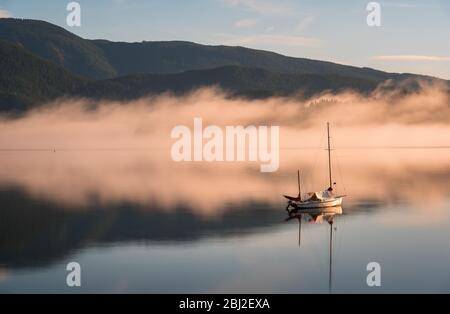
320 199
337 201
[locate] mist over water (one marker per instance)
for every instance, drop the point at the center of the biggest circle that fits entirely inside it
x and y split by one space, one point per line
94 182
74 151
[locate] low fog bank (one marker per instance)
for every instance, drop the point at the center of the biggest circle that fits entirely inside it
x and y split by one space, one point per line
419 118
120 152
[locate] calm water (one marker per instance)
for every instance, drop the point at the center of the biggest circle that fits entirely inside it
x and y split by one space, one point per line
138 225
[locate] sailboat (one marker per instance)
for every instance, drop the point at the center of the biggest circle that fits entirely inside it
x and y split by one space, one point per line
320 199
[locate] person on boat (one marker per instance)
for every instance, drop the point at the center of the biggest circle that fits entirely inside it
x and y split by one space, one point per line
331 188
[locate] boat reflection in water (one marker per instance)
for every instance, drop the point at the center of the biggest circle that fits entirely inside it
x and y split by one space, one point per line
318 216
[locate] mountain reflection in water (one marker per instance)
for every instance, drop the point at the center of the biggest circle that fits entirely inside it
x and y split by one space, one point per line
35 233
78 179
85 205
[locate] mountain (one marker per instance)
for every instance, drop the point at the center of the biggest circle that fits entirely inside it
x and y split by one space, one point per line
236 80
57 45
102 59
27 79
40 62
179 56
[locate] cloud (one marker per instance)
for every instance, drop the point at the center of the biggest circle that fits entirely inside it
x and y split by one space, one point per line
264 7
269 39
4 14
246 23
410 58
305 23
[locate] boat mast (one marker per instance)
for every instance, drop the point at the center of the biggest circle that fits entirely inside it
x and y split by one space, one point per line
299 186
329 156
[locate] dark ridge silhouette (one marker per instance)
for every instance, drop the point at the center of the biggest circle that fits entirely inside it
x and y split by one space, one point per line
27 79
57 45
235 80
41 62
100 59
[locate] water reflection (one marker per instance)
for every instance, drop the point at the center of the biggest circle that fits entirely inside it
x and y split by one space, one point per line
55 203
35 233
55 207
318 216
77 179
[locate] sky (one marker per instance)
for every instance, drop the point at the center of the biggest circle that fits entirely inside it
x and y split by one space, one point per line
414 35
